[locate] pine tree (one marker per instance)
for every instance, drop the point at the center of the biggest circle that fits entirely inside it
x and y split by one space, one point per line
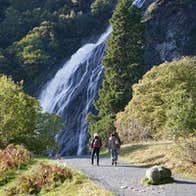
123 65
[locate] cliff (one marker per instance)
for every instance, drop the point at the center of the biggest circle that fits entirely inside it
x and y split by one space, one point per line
170 30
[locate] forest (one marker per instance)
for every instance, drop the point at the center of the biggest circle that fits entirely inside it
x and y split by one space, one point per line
36 36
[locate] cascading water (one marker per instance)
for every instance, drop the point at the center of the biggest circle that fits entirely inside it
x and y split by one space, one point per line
72 91
139 3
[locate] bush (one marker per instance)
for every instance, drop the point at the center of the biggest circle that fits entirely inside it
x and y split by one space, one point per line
163 102
46 176
13 157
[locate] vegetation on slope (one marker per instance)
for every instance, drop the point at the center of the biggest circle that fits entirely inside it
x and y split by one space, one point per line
12 158
123 66
163 103
44 177
159 153
164 107
35 36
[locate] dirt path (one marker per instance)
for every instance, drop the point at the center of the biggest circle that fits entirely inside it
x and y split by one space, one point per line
124 180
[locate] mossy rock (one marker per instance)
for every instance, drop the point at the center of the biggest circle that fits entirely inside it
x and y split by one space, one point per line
157 175
150 181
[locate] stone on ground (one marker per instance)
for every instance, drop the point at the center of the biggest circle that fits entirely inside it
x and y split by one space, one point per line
158 175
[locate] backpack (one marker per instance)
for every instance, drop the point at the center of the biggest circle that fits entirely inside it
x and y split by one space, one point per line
96 143
117 143
114 143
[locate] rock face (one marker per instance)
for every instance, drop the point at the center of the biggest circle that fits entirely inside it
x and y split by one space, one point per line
170 30
158 174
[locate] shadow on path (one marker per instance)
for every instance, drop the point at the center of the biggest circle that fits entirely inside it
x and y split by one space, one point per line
184 182
121 165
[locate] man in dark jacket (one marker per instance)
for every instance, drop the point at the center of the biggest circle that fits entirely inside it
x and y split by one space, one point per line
95 145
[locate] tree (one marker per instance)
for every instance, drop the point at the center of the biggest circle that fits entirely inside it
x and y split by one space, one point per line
102 9
18 111
21 120
35 50
163 102
47 126
123 63
181 115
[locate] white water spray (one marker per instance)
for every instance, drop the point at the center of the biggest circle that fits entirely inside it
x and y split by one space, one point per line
139 3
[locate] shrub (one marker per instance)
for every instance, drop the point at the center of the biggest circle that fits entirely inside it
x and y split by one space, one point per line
164 101
12 157
46 176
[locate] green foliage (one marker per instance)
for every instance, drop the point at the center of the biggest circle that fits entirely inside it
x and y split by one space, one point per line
102 8
123 65
18 111
102 124
22 122
163 101
47 126
46 176
36 36
181 116
35 49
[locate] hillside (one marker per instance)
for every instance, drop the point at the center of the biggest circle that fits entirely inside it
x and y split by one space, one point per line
163 103
37 36
170 30
167 153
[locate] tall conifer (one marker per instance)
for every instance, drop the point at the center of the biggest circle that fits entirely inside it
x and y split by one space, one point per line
123 65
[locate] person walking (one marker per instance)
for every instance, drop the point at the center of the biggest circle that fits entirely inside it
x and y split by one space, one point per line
114 146
95 145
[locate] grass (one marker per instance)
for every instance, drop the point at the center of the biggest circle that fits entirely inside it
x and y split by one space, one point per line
166 153
12 174
80 185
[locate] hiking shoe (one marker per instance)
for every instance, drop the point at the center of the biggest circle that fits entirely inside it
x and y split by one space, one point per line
115 163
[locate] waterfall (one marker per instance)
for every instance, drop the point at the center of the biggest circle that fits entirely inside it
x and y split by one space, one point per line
139 3
72 91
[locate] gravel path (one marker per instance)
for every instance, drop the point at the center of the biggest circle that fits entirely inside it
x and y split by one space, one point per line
124 180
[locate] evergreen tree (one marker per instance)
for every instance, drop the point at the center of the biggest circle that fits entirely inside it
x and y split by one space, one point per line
123 65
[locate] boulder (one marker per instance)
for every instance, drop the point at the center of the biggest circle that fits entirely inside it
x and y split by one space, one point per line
158 175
